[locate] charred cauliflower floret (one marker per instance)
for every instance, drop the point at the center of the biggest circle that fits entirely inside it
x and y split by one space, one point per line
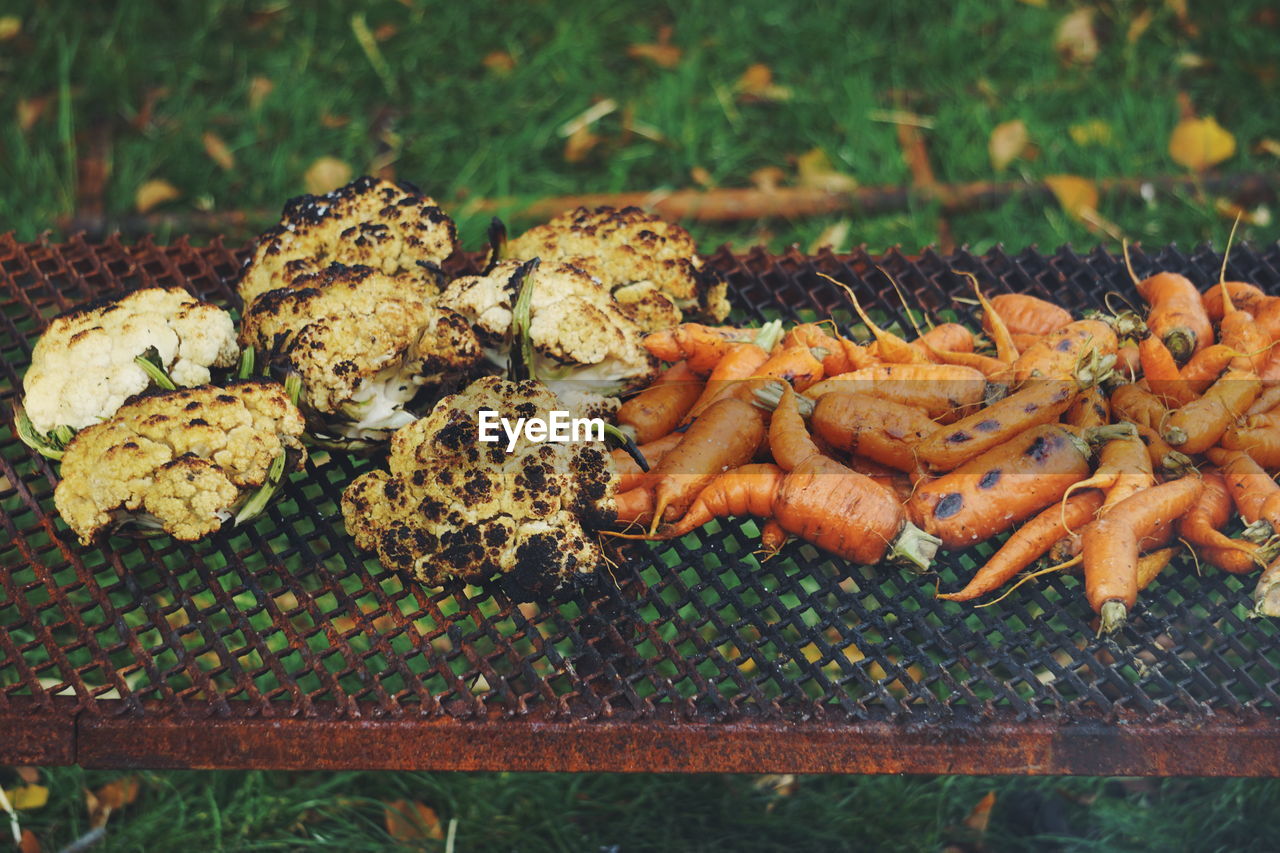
390 227
181 461
90 360
452 506
363 343
645 261
582 340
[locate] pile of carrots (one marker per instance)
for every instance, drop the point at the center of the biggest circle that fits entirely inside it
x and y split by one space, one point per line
1103 444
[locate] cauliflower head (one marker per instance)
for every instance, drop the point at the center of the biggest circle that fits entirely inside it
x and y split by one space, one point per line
373 222
646 261
83 367
182 461
582 339
362 342
453 507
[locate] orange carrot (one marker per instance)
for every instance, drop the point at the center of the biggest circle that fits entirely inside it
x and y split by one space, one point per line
993 368
1177 314
1084 350
635 506
1024 341
798 365
629 473
881 430
1197 426
701 347
1035 403
1090 409
1152 564
1202 525
1135 404
1026 315
1256 435
1112 545
725 436
836 358
789 439
1268 400
1128 361
1163 457
1249 297
897 482
1242 334
658 409
889 347
1268 318
948 337
1029 543
1006 350
1162 374
740 362
1252 490
938 389
990 493
1122 455
745 490
1133 473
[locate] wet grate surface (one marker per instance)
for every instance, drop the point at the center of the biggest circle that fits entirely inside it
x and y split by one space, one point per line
285 618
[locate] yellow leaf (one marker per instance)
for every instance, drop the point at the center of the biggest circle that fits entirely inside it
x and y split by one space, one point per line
326 174
1040 4
579 144
10 26
980 817
815 170
1092 132
1139 25
118 794
500 62
768 178
1268 146
30 112
701 177
1075 39
756 84
1078 196
218 151
411 821
834 237
662 55
1198 143
259 88
154 193
28 797
1008 140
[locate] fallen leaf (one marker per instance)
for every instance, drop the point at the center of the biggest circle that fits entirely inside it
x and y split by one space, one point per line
1191 61
326 174
30 111
29 842
1008 140
1040 4
154 193
119 793
10 26
28 797
768 178
1259 216
259 89
815 170
1095 131
385 31
1199 143
1183 14
1075 40
980 817
1139 25
756 84
500 62
332 121
412 821
1075 194
579 144
833 237
150 98
701 177
1268 146
782 784
30 775
662 53
218 151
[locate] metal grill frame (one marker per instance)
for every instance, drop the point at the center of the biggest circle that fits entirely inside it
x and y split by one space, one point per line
280 646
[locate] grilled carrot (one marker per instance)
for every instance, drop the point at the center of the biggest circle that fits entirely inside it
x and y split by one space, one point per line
1206 366
1089 409
789 439
1025 315
1036 403
745 490
1123 454
938 389
1268 400
836 359
1177 314
799 365
629 473
992 492
701 347
881 430
725 436
1112 545
1268 318
658 409
888 347
1024 341
1152 564
635 506
1084 350
1202 525
1029 543
1162 374
1006 350
900 483
1240 333
948 337
1197 426
740 362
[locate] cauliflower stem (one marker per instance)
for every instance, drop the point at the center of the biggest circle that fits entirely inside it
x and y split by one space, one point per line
51 445
153 366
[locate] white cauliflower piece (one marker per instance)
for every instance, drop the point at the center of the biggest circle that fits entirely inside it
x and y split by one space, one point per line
83 369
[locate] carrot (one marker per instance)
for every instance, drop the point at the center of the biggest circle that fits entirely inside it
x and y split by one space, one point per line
994 491
629 473
1163 457
1243 558
1197 426
1122 455
1090 409
1268 400
993 369
740 362
799 365
1268 318
1006 350
1084 350
889 347
772 537
634 506
1203 523
1206 366
1112 545
1177 314
658 409
1135 404
745 490
938 389
948 337
899 483
1256 435
1162 374
700 346
724 437
1036 403
881 430
1252 490
1266 595
836 359
1023 341
1270 374
1028 543
1128 361
1248 297
1152 564
1240 333
1025 315
789 439
1133 473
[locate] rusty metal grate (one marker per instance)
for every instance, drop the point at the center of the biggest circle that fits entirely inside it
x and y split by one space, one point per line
280 645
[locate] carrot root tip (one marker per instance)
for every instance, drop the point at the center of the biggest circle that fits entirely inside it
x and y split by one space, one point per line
1113 616
1176 464
914 547
1259 532
1175 435
1181 343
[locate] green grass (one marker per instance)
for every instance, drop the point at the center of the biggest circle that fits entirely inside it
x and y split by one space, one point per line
463 132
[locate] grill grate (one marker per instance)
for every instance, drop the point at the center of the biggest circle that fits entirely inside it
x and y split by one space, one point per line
285 620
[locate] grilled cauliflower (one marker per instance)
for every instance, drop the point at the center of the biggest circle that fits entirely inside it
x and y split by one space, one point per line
582 340
182 461
388 226
454 507
363 343
86 363
643 260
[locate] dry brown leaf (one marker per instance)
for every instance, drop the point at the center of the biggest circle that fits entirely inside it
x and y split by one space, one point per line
1039 4
28 797
1075 40
834 237
150 98
1183 14
1139 25
119 793
1077 195
500 62
30 775
333 121
326 174
31 111
10 26
218 151
1007 142
980 818
1268 146
29 842
412 821
385 31
154 193
579 144
1095 131
815 170
662 53
259 89
756 84
701 177
768 178
1199 143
